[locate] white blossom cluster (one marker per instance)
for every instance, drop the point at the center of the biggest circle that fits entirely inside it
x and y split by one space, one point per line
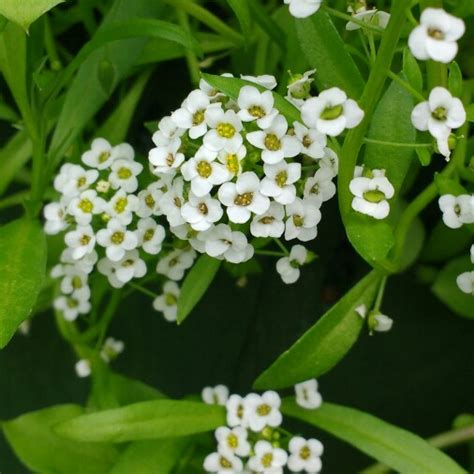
232 171
252 441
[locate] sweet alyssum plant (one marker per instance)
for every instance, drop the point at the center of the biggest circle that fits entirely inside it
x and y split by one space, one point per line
238 171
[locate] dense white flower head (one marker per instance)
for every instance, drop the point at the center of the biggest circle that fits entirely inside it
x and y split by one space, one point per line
457 210
465 282
305 455
437 35
289 267
167 302
217 395
303 8
307 395
267 459
371 193
331 112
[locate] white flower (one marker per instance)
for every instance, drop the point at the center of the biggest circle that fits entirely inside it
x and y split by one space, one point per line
121 272
204 172
124 175
435 38
176 263
150 235
191 115
457 210
232 159
307 395
73 179
270 223
268 459
465 282
225 128
374 17
201 212
236 411
85 264
217 395
81 241
74 279
166 158
371 194
167 132
274 142
303 8
289 267
186 232
222 242
233 440
279 181
223 462
116 239
149 201
439 115
331 112
55 215
100 155
379 322
209 90
305 455
111 349
312 141
167 303
472 253
263 410
83 368
320 187
299 87
330 160
122 206
71 306
266 80
256 105
102 186
243 197
172 201
85 206
303 218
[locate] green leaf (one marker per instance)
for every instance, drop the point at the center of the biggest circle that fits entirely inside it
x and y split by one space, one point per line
412 70
231 86
156 456
195 284
455 79
326 343
22 271
413 244
242 12
145 420
106 74
424 156
448 185
325 51
446 288
32 438
470 113
25 12
267 23
399 449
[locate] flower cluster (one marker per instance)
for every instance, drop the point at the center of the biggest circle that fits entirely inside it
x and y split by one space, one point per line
253 441
110 351
229 172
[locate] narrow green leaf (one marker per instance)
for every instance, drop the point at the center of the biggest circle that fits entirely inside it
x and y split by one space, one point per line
231 86
412 70
267 23
22 271
242 12
424 156
455 79
146 420
32 438
156 456
106 74
325 51
27 11
470 113
195 284
447 290
324 344
399 449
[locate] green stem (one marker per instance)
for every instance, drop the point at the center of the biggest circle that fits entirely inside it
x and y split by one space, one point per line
282 246
142 289
417 95
14 199
50 45
400 145
372 48
346 17
466 174
379 299
270 253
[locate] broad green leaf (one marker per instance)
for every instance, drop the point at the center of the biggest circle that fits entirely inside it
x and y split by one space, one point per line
25 12
446 288
413 244
325 51
412 70
22 271
32 438
231 86
435 248
156 456
242 12
146 420
455 79
195 284
326 343
399 449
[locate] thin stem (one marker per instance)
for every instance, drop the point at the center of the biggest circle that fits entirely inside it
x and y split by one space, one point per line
282 246
406 86
379 299
270 253
372 48
50 45
361 23
142 289
400 145
14 199
466 174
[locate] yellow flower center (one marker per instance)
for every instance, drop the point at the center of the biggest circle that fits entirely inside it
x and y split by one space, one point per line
305 453
121 205
76 282
72 303
232 163
374 196
177 202
85 205
439 114
117 238
170 299
332 113
281 178
124 173
298 220
170 159
104 156
272 142
267 460
81 182
256 111
203 208
435 33
243 199
307 142
225 463
267 220
226 130
204 169
148 235
85 239
232 441
264 409
149 201
198 117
